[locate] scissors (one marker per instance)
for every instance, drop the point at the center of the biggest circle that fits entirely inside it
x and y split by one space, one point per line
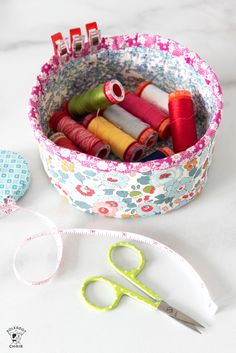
131 275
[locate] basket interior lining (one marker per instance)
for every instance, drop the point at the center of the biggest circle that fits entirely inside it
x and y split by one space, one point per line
130 66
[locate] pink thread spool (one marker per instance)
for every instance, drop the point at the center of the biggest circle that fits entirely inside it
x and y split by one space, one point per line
61 140
183 127
81 137
148 113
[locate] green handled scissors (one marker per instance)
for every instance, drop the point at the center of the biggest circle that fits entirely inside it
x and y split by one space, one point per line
131 275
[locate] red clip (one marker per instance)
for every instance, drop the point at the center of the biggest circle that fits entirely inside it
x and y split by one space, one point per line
59 44
91 27
93 33
76 40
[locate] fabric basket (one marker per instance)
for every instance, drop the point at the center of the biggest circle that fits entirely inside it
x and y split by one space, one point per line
114 188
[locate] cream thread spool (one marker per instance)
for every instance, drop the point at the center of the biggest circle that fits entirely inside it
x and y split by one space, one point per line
133 126
154 95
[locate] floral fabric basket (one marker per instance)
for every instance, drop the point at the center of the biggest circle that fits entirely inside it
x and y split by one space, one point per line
114 188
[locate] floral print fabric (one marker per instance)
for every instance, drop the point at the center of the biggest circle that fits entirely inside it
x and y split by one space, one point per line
114 188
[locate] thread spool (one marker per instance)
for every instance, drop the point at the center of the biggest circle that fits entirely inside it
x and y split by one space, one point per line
100 97
122 145
183 127
147 90
159 154
61 140
81 137
140 131
148 113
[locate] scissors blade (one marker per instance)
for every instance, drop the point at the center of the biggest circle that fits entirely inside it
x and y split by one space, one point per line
179 316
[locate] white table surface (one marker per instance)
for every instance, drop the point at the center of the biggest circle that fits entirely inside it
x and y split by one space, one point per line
203 232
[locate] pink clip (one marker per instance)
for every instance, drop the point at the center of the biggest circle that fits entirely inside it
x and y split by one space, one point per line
59 44
93 33
76 41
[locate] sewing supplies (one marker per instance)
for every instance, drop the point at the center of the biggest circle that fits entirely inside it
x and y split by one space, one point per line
122 145
199 286
159 154
100 97
148 113
14 176
80 136
15 180
61 140
76 41
131 276
59 45
181 113
154 95
130 124
93 34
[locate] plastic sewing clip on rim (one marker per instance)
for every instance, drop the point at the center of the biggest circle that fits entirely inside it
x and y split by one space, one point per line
60 46
94 35
76 41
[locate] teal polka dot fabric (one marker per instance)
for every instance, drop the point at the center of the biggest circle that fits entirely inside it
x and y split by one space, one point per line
14 175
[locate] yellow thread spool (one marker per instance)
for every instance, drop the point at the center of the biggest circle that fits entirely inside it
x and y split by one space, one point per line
122 145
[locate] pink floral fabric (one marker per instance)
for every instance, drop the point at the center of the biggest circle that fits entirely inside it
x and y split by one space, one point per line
169 182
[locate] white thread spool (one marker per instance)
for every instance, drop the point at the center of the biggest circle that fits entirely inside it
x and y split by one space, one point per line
130 124
154 95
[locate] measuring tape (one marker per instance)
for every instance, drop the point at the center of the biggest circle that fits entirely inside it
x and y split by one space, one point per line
14 182
57 235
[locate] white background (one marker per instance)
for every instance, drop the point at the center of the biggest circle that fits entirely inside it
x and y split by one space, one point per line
203 232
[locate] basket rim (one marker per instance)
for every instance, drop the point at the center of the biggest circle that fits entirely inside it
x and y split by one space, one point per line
119 43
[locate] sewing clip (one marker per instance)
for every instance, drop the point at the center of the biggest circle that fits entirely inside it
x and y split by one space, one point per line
60 46
76 41
94 35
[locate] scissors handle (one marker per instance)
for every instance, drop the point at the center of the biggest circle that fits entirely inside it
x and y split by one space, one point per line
119 291
130 275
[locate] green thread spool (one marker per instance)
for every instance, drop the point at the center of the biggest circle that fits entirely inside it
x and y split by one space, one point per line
100 97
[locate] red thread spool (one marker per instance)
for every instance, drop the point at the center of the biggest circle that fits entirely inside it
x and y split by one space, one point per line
61 140
148 113
183 127
81 137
